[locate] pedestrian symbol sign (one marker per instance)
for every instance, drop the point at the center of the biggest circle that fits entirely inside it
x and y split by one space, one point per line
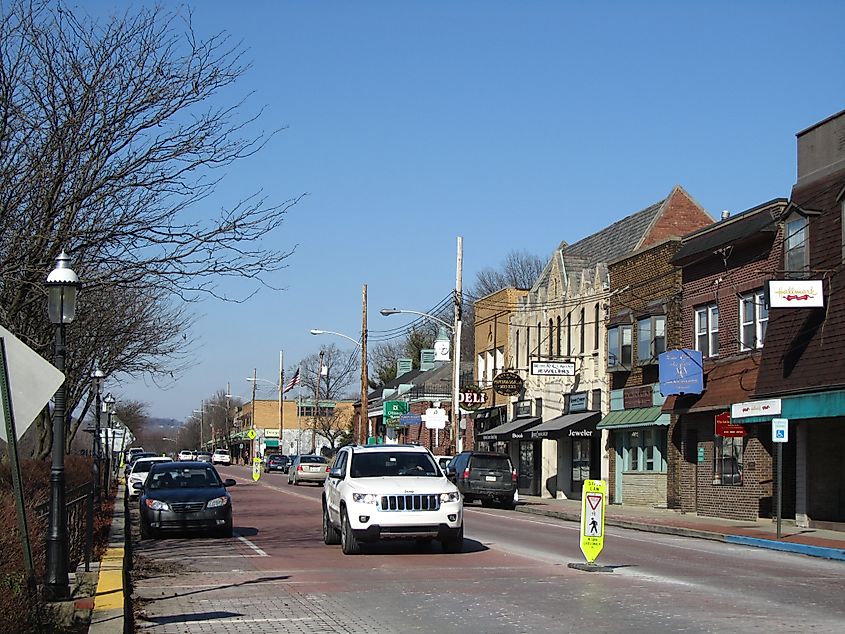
251 434
256 468
594 499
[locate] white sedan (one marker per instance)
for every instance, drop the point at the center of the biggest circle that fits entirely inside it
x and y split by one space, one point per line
186 454
139 473
221 456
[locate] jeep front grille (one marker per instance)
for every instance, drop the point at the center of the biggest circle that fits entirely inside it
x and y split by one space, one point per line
410 502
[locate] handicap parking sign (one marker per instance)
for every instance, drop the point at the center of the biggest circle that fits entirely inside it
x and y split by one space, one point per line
780 430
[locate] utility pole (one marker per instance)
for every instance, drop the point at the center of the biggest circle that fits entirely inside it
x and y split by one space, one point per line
202 420
364 418
252 413
316 404
456 354
281 398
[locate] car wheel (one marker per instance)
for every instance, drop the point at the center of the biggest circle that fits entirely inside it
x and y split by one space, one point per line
348 542
508 504
331 536
226 531
454 544
146 531
486 503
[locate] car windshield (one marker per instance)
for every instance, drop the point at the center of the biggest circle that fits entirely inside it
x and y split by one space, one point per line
221 452
277 458
183 478
312 460
393 463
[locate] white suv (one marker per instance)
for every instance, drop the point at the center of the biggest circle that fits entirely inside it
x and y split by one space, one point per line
379 492
221 456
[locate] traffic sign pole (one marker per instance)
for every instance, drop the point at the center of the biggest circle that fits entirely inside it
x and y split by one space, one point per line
780 435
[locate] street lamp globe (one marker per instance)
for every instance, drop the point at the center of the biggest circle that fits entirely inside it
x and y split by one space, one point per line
62 288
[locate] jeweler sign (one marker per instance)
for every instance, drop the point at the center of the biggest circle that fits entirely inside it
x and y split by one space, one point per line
553 368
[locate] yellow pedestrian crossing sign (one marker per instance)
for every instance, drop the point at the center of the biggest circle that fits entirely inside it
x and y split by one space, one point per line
251 434
593 502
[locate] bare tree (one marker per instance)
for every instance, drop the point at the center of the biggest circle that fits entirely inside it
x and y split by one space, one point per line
111 135
519 269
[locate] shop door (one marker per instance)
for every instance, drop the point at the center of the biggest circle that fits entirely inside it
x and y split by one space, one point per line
580 464
527 476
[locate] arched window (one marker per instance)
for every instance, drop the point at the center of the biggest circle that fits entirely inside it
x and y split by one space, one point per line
557 333
583 332
596 318
551 338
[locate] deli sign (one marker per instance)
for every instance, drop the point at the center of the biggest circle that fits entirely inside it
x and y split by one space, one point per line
507 383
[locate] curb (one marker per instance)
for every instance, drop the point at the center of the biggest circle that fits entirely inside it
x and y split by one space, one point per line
757 542
107 616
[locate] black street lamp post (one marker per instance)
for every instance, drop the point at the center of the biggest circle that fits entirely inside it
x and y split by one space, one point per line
62 286
97 377
108 401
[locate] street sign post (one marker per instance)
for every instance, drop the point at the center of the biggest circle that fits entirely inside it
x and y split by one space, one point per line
593 502
780 435
256 468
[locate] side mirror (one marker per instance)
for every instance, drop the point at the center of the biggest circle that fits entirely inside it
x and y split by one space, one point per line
450 472
336 473
229 482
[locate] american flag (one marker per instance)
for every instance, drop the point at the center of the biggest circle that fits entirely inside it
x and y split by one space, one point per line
294 381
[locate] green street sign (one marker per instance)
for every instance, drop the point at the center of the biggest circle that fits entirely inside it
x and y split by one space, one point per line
393 410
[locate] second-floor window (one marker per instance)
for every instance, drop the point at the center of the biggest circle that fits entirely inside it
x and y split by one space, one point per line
707 330
796 248
619 350
651 337
753 319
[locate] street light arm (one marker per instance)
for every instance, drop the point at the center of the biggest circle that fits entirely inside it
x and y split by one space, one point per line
316 331
396 311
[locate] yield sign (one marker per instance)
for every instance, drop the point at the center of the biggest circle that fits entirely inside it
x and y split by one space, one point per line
593 500
32 380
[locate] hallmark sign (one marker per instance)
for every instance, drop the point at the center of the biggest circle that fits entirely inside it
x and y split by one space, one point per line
796 294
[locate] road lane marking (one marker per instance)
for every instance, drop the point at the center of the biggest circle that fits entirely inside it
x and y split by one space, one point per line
211 557
255 548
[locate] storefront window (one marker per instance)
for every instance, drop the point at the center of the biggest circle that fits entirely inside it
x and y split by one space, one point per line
728 461
645 450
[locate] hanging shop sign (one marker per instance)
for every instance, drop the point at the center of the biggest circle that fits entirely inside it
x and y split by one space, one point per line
507 383
768 407
392 410
681 372
553 368
796 294
725 429
471 397
577 402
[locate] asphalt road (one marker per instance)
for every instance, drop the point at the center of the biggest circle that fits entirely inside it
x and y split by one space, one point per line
276 575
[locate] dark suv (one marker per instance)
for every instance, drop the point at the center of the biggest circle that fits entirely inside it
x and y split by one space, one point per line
486 476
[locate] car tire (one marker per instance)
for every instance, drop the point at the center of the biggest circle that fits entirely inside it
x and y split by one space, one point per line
331 536
454 544
349 544
226 531
508 504
486 503
146 531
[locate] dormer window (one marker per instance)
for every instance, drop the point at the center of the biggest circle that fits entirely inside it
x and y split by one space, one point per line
796 247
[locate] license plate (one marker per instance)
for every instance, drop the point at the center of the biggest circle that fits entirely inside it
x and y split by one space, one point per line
490 478
313 468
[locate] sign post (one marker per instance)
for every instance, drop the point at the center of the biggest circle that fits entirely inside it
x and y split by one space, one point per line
256 468
780 435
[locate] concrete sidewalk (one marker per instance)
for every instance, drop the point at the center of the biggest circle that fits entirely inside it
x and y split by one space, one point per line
762 533
107 616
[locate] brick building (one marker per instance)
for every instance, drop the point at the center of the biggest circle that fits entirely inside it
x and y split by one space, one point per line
724 316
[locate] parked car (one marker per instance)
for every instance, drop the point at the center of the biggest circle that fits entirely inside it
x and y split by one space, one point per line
221 456
276 462
186 455
138 474
184 496
486 476
308 468
443 461
379 492
131 461
203 456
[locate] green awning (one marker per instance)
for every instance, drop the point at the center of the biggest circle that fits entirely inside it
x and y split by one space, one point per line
634 418
271 442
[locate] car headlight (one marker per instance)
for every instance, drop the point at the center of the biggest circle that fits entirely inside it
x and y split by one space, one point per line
157 505
454 496
221 501
365 498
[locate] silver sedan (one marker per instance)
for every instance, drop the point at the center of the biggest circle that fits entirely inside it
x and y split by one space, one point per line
308 468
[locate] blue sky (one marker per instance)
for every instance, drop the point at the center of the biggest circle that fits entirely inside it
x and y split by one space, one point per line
513 124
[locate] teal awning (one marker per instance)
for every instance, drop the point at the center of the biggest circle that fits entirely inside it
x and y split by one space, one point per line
271 442
634 418
800 406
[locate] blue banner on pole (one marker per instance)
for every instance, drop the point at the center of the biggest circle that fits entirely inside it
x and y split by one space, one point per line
410 419
681 372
